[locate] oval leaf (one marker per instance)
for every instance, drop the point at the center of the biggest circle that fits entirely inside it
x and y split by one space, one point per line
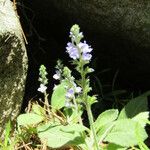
29 119
124 133
58 96
56 138
105 118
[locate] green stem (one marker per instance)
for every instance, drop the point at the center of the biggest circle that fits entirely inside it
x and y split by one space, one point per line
88 106
90 117
77 110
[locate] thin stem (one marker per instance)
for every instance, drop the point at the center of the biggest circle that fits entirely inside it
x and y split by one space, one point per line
90 117
88 106
77 110
46 103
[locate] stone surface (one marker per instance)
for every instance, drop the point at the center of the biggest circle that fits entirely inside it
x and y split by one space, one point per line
127 18
13 64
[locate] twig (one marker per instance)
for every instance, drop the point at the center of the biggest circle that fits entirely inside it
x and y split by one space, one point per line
24 146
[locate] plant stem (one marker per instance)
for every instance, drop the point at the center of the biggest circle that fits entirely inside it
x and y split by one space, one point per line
88 106
46 103
90 117
77 110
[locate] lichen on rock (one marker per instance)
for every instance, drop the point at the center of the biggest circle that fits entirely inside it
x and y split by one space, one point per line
13 64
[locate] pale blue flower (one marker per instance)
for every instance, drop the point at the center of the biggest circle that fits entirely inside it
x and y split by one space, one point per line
85 48
72 51
70 93
86 56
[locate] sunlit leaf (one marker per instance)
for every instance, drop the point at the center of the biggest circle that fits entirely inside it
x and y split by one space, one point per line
56 138
142 118
29 119
124 133
59 96
105 118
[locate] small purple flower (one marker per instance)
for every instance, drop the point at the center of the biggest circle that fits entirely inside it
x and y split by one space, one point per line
85 48
86 56
70 93
72 51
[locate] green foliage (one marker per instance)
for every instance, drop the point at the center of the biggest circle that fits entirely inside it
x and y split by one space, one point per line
59 135
29 119
123 133
58 96
7 144
139 138
105 118
142 118
60 125
37 109
115 147
135 106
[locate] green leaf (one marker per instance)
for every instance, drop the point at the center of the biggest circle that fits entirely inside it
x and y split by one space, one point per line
105 118
58 96
29 119
104 130
92 100
112 146
72 115
124 133
7 133
57 138
142 118
141 143
73 128
37 109
135 106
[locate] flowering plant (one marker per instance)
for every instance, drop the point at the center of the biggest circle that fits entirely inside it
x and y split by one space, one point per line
60 125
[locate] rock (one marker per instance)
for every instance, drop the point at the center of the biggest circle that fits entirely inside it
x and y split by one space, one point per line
13 64
127 19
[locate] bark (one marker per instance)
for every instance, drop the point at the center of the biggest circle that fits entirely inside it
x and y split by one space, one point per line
13 64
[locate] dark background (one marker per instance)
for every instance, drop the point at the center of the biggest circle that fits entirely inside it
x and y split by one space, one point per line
47 31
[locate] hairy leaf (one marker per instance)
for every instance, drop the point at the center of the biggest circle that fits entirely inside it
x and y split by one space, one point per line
58 96
105 118
124 133
56 138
